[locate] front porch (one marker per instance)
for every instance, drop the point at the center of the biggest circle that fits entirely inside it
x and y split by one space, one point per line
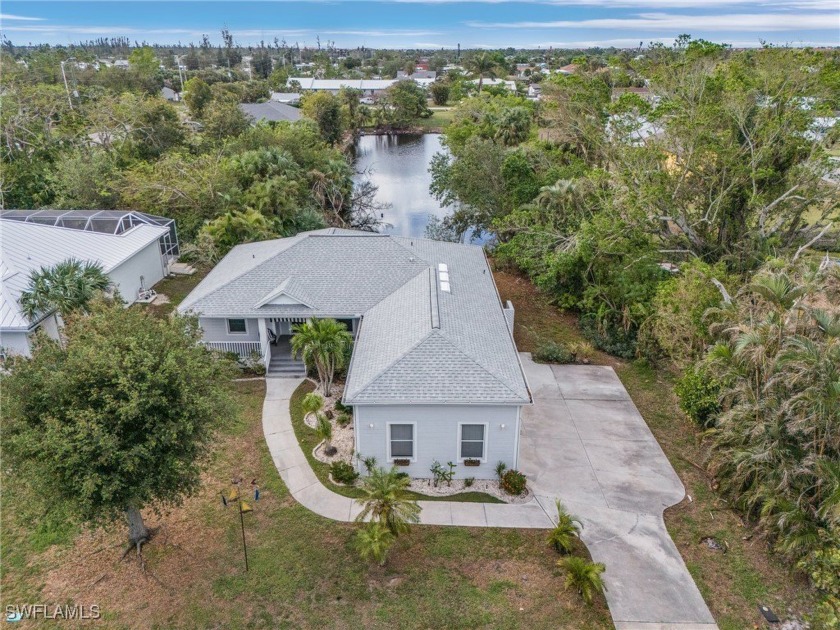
269 337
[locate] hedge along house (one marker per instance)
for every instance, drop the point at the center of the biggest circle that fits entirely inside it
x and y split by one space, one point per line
434 375
134 249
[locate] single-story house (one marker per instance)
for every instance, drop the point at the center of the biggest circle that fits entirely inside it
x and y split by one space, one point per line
434 374
287 98
133 248
169 94
271 111
368 87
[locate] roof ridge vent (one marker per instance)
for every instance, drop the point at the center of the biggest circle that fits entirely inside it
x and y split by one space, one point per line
433 299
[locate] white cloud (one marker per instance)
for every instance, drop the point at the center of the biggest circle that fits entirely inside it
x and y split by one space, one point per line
22 18
741 22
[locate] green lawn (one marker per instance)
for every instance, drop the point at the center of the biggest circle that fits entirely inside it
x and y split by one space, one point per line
308 441
304 572
438 121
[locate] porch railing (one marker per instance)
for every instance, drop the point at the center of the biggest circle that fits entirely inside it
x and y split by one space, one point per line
242 348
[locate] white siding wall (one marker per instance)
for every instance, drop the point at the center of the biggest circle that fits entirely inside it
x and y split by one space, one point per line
15 343
147 263
436 435
215 329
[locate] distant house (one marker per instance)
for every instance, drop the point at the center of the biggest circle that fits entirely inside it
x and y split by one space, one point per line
534 91
510 85
287 98
270 111
417 74
368 87
170 95
134 249
121 63
434 374
570 69
641 92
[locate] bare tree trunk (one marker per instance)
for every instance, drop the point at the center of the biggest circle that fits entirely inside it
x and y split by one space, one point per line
137 530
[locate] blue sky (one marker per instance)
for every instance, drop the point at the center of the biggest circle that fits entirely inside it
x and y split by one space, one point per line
430 23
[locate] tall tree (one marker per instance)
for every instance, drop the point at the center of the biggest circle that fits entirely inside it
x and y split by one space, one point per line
65 287
323 343
484 65
120 419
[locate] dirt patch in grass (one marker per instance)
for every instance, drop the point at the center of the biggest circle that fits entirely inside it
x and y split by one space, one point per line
733 583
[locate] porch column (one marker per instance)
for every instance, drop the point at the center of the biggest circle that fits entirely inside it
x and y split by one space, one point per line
265 345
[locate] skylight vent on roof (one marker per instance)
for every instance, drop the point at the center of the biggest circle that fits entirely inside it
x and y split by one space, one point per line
444 286
444 277
442 267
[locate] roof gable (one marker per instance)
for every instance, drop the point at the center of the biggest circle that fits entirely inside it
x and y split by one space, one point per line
287 292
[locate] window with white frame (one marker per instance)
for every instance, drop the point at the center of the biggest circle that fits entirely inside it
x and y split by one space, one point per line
472 441
402 440
237 327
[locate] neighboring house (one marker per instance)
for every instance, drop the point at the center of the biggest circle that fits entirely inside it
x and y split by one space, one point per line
270 111
368 87
417 74
134 249
434 374
510 85
287 98
170 95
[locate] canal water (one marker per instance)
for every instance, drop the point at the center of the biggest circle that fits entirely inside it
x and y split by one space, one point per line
399 166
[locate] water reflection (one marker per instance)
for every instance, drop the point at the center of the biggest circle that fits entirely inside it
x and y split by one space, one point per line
399 166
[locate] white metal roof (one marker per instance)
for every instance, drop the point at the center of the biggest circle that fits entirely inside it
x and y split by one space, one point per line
26 247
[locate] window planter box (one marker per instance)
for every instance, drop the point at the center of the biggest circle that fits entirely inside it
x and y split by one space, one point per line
402 462
472 462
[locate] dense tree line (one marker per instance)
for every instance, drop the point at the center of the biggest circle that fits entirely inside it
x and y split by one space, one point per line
109 140
684 226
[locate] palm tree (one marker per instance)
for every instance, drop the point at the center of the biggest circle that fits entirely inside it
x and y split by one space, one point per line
324 431
311 403
483 65
565 531
65 287
324 344
583 576
374 541
385 501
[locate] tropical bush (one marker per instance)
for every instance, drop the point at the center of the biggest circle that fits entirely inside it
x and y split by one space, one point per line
583 576
343 472
513 482
775 443
565 531
385 501
698 392
553 352
323 344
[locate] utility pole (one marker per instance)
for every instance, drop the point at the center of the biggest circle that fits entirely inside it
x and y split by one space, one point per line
66 87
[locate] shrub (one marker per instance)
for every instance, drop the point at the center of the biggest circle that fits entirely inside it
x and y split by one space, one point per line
501 467
553 352
440 92
342 408
698 394
609 336
253 364
513 482
344 419
469 481
343 472
441 474
401 475
583 576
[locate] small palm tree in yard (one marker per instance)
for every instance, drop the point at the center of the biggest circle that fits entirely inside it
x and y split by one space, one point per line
583 576
324 344
324 431
65 287
385 501
311 403
562 537
374 542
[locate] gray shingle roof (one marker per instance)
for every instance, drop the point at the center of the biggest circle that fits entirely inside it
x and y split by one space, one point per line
270 111
416 343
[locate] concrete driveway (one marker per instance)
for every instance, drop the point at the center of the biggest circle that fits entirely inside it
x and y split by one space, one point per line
584 442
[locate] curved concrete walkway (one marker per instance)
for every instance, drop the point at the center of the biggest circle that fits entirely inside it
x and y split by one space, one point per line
310 492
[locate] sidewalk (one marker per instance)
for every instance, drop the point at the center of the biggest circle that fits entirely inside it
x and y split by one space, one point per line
305 487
